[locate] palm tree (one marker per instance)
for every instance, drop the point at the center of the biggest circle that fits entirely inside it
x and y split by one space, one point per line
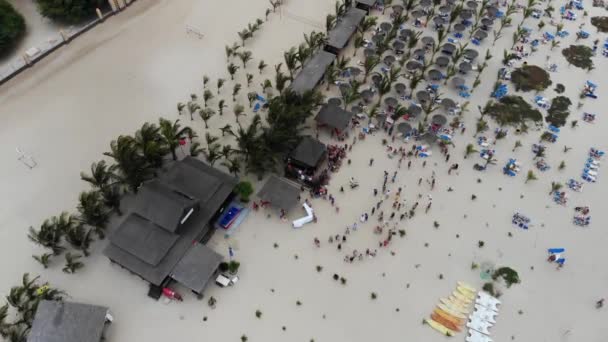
207 96
280 80
303 54
530 176
220 84
226 151
384 87
238 111
387 3
330 21
80 238
339 9
206 114
149 143
244 35
358 43
251 97
101 175
555 187
180 108
212 153
291 60
72 264
261 66
233 165
220 107
469 150
93 212
171 133
266 85
131 168
342 63
111 196
205 81
48 236
245 57
367 24
235 91
481 126
210 139
247 138
369 64
196 149
232 69
517 145
227 129
192 108
331 75
44 260
249 78
351 94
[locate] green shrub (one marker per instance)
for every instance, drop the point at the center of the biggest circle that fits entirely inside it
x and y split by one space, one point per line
579 56
508 274
69 11
530 77
558 113
244 189
12 27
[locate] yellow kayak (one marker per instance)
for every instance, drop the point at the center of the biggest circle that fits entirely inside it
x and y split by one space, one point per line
466 293
458 301
454 306
452 312
467 286
462 297
433 324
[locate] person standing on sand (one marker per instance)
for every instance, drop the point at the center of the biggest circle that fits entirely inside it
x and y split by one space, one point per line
409 164
599 303
371 162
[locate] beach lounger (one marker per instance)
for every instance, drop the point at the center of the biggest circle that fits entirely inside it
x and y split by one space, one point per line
454 306
475 336
445 315
462 298
483 314
556 250
487 301
435 325
465 285
478 325
448 310
466 293
257 107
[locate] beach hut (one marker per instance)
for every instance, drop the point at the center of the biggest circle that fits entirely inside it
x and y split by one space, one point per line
280 193
162 220
365 5
312 72
308 155
335 118
338 37
56 321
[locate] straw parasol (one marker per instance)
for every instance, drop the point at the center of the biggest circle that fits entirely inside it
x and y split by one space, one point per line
398 45
435 75
470 54
385 26
389 60
457 81
439 21
356 109
426 3
367 95
464 67
439 119
423 96
354 71
442 61
480 34
400 88
487 22
466 14
397 9
448 104
418 53
428 40
417 14
492 11
414 110
391 102
404 128
445 9
405 34
413 65
377 38
369 52
334 101
459 27
472 4
376 78
448 48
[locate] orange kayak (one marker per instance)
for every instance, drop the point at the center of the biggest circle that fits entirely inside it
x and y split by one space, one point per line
446 323
449 317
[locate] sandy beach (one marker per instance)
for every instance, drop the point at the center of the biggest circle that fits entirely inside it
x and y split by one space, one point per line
139 64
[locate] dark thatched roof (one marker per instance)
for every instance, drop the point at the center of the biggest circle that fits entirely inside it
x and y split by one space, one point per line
57 321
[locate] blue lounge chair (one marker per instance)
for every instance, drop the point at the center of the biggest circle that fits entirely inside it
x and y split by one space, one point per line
257 107
556 250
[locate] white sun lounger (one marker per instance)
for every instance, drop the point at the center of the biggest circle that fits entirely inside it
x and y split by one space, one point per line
481 326
488 301
475 336
485 315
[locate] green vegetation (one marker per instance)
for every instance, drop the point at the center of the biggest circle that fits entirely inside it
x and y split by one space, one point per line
601 23
12 27
579 56
489 288
244 189
558 112
530 77
508 274
71 11
513 110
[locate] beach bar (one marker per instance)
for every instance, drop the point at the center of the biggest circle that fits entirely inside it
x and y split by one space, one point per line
346 26
312 72
57 321
162 235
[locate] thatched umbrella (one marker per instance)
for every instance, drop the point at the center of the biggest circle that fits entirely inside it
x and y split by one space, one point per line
448 104
423 96
391 102
472 4
344 88
448 48
397 9
435 75
389 60
458 81
464 67
487 22
377 38
367 95
405 34
470 54
428 137
418 53
426 3
428 40
466 14
439 119
398 45
417 14
413 65
356 109
459 27
404 128
442 61
414 110
451 2
334 101
492 11
369 52
439 21
385 27
480 34
376 79
400 88
445 9
354 71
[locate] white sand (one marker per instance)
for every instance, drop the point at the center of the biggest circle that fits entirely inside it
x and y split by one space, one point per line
139 64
